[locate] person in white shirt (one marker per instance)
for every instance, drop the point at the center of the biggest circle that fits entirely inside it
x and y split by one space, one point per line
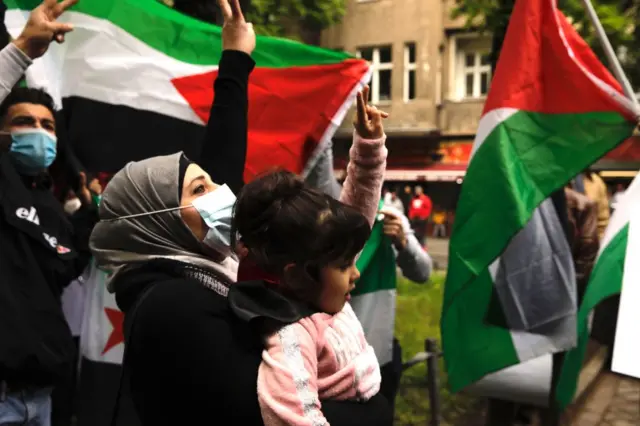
391 199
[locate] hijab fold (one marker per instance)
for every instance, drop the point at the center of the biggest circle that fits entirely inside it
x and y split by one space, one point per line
143 187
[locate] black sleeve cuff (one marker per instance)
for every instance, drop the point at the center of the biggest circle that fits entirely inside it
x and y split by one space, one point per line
235 64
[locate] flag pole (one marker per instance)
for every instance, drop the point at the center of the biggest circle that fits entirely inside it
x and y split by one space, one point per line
611 56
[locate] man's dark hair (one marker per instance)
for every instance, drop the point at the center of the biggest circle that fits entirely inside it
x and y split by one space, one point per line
21 95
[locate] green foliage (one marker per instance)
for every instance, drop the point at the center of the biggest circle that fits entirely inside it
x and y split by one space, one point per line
282 17
619 18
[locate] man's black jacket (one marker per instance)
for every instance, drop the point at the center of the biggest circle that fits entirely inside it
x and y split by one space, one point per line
41 252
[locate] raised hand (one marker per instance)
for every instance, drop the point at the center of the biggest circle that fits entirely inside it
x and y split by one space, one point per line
42 28
368 122
394 229
237 34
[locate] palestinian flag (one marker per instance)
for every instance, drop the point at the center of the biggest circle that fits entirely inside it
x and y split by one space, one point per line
135 79
374 298
609 273
553 109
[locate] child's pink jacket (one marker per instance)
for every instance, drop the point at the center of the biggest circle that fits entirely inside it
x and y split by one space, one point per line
325 356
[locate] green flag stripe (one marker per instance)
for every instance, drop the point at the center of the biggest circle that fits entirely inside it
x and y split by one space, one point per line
522 161
377 263
605 281
472 348
187 39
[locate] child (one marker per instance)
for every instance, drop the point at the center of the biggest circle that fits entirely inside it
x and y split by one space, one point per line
306 243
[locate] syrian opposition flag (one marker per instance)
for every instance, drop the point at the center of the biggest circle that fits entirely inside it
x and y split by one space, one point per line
615 271
553 109
135 79
101 350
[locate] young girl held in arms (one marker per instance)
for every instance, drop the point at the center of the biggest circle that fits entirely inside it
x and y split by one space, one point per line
304 245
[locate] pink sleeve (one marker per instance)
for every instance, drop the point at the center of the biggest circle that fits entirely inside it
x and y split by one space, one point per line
365 175
287 378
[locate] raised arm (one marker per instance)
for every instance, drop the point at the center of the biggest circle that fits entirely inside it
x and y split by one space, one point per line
224 149
367 160
13 62
33 42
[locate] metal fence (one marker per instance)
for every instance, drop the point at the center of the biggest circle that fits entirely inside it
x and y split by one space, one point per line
430 357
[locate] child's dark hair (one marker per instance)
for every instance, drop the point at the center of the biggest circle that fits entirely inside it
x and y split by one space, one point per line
283 221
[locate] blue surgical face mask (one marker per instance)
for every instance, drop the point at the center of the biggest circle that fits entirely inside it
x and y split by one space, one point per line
216 209
33 150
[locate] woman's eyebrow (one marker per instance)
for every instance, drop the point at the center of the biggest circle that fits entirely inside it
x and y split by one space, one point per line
201 177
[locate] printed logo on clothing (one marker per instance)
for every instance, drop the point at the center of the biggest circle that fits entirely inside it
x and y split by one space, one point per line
62 250
53 241
29 215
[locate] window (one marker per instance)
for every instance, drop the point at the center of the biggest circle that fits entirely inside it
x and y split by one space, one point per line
471 67
409 86
381 66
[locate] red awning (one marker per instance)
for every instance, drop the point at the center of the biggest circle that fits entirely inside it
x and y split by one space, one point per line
435 173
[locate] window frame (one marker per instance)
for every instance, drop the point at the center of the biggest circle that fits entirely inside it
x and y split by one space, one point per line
459 70
407 68
376 67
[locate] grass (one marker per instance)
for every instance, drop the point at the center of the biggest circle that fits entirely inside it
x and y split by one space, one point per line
418 318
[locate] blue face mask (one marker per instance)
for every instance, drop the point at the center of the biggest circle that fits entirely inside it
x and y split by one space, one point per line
216 209
33 150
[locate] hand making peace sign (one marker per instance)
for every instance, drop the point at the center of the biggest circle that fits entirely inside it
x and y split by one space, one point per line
237 34
368 122
41 28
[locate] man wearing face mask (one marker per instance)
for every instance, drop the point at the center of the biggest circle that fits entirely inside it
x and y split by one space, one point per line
41 249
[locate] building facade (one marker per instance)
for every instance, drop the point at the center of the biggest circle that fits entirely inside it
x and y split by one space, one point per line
429 73
432 75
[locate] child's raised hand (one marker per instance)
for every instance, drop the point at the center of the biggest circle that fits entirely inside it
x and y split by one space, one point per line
368 122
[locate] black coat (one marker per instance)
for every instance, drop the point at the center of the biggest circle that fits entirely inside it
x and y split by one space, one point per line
191 361
41 252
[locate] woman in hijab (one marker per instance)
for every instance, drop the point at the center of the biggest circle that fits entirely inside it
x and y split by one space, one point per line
164 239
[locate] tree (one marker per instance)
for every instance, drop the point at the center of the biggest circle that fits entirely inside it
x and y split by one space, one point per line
619 19
297 19
294 18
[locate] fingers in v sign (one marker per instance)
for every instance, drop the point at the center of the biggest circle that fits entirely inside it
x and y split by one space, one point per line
42 28
368 122
237 34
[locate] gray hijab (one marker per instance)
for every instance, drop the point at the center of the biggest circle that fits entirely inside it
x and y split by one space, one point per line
140 187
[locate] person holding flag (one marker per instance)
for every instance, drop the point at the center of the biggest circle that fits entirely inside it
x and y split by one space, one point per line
164 238
42 249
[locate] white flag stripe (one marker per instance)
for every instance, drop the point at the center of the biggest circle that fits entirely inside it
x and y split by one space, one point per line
102 62
626 350
96 327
